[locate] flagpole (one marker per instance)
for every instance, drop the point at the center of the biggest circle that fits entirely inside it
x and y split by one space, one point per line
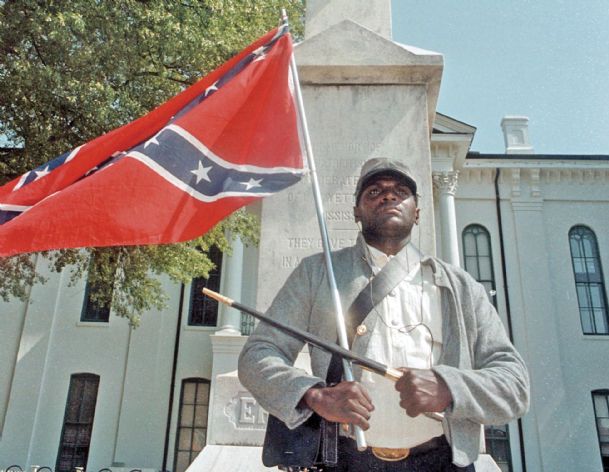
340 318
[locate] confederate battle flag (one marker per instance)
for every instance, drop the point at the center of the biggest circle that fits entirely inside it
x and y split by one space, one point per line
171 175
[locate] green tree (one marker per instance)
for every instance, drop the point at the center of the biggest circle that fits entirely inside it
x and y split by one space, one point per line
72 70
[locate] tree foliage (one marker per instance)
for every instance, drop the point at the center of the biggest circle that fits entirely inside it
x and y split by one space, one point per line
72 70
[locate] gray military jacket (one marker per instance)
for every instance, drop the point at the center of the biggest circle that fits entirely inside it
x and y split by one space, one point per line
485 374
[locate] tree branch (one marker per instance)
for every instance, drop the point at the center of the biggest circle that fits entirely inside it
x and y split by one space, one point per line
157 74
38 52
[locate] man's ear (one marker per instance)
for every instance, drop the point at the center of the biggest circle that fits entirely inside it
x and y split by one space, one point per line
416 217
356 214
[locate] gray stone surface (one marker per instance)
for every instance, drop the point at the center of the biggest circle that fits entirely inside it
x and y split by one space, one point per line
373 14
229 459
237 417
365 96
349 53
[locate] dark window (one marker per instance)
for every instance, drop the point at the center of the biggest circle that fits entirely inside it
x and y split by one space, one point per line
78 422
191 434
589 282
248 323
98 293
93 309
478 257
204 310
601 412
498 446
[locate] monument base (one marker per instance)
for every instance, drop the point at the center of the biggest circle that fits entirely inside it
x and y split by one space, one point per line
225 458
249 459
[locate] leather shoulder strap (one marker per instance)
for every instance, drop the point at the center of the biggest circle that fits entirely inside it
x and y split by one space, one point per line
377 288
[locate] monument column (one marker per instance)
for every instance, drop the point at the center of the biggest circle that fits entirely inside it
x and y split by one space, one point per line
365 96
373 14
445 184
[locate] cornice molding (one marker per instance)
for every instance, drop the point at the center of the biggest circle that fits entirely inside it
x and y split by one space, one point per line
477 175
588 164
577 176
540 175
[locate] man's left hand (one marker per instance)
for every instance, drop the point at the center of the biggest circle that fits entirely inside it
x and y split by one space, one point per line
422 391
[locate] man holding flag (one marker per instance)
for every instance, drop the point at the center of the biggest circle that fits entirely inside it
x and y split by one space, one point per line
417 313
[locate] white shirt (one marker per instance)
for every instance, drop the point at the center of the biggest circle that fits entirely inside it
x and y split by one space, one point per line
406 331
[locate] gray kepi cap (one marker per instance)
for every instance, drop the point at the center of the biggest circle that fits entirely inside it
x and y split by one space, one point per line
382 165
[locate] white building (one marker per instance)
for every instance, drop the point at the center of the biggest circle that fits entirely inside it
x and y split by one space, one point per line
78 386
532 227
546 218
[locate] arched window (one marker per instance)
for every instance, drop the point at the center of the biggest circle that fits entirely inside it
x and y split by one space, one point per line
600 399
589 282
478 257
191 434
78 422
478 260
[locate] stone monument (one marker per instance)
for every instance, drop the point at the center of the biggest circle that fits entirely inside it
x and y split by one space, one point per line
365 96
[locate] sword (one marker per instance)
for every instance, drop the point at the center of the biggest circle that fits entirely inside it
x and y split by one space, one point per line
362 361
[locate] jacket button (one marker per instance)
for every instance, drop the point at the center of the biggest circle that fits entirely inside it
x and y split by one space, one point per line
361 330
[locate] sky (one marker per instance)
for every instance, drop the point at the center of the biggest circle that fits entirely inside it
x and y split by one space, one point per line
545 59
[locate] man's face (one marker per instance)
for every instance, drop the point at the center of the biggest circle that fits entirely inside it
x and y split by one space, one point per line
387 208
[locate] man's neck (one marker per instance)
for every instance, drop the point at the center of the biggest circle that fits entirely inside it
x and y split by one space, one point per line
387 245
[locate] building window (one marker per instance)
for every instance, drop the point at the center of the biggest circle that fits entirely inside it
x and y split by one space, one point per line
93 308
191 434
601 412
204 310
78 422
248 323
98 293
498 446
478 257
589 282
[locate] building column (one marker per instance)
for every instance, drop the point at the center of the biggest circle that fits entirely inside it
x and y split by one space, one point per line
232 276
446 185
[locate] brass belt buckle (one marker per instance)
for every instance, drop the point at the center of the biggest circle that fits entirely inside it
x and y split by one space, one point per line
390 454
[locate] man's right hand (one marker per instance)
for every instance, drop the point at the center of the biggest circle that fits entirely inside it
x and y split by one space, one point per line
346 402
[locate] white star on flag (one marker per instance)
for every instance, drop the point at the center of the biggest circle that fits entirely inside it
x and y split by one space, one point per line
211 88
202 173
152 140
42 173
251 183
